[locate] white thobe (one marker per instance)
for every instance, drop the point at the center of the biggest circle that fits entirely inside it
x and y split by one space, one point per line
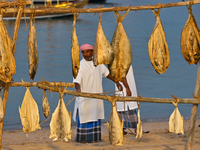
131 82
90 80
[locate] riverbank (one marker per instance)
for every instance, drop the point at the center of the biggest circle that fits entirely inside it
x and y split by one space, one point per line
157 139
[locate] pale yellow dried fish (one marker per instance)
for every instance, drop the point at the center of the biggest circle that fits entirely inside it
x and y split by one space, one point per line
122 51
158 48
176 120
103 51
75 56
139 126
190 40
45 105
29 113
60 125
7 60
33 59
115 126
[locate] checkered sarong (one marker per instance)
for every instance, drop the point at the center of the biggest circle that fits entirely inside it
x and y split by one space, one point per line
88 132
130 117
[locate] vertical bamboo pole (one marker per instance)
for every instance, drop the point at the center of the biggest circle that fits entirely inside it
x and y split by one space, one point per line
193 116
6 89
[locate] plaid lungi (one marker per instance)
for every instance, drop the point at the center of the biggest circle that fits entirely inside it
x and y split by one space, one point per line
88 132
129 118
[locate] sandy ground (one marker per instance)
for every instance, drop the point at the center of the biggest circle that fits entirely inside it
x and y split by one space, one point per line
157 139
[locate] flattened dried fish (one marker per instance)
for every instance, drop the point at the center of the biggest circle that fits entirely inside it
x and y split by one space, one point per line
33 59
190 40
158 48
7 60
122 51
60 125
176 120
139 125
29 113
115 126
103 51
75 56
45 105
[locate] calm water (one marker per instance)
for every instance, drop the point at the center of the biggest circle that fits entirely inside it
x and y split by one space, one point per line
54 45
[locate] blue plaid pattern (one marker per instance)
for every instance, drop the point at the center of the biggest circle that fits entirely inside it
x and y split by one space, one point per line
129 117
88 132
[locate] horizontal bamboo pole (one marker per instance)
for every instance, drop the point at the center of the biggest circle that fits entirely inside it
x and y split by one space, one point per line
96 10
51 86
4 4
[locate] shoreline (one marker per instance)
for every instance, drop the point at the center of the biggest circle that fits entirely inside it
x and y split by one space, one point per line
157 139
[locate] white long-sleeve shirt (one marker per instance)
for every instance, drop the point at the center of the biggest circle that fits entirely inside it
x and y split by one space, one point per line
131 82
90 80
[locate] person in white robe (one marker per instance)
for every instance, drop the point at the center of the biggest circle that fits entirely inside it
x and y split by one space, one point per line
128 110
88 112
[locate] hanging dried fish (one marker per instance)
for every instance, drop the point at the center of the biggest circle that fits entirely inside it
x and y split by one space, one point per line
115 126
7 60
190 40
158 48
122 51
1 108
103 51
29 113
32 50
60 125
45 105
176 120
75 57
139 125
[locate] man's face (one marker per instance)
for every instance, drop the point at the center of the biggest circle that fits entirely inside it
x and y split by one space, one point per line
87 54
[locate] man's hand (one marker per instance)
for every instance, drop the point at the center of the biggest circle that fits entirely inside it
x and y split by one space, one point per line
119 86
128 92
77 87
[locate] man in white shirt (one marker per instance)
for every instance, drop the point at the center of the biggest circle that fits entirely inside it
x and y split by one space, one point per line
88 112
128 111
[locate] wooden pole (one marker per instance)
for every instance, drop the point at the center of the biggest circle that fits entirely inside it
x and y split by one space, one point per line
5 97
189 145
16 29
96 10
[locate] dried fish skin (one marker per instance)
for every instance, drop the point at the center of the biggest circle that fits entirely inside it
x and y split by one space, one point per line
139 126
122 51
33 59
157 47
45 106
176 122
103 51
115 126
7 60
29 113
190 41
60 125
75 56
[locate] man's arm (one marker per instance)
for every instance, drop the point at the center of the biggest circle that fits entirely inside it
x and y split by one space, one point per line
77 87
119 86
128 91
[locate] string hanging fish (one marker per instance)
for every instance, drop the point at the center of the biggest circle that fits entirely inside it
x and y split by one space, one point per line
75 56
60 125
115 125
29 113
122 51
103 51
176 120
7 60
158 48
33 59
190 39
